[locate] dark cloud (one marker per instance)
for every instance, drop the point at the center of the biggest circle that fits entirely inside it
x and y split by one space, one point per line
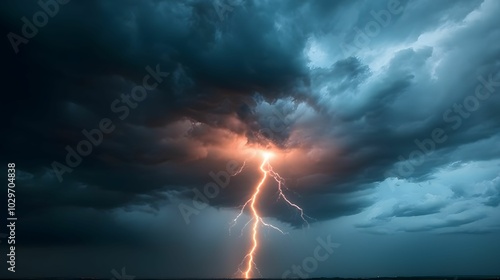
261 74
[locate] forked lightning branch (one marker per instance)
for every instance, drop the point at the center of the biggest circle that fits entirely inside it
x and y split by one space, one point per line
248 265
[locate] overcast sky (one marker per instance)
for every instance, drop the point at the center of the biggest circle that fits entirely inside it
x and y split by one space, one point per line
383 117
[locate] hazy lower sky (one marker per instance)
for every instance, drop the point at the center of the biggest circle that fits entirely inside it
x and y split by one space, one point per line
121 116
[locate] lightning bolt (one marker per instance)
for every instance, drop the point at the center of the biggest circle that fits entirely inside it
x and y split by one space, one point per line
267 171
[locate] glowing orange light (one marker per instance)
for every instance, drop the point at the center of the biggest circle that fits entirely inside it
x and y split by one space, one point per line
267 155
267 170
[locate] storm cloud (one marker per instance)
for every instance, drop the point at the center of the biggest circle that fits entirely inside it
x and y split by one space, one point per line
397 135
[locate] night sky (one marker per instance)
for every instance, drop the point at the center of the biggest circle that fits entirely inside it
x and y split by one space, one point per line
129 122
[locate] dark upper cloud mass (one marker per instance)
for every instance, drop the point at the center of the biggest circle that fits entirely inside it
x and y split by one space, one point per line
382 115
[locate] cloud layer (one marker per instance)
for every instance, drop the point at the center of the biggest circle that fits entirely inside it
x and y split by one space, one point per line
384 111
